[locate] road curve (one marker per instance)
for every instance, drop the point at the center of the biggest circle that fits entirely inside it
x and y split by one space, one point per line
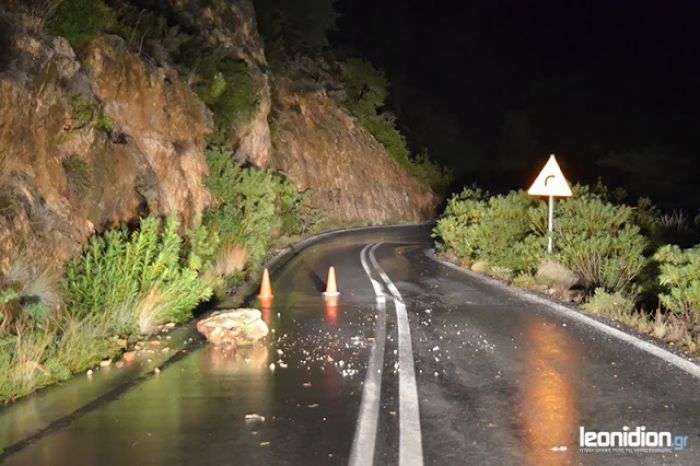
418 364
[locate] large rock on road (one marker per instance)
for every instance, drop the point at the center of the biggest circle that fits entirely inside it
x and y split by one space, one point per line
240 327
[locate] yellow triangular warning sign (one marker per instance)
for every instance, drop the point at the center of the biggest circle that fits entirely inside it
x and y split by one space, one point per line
550 181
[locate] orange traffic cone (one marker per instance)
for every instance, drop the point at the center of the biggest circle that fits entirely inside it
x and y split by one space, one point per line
265 295
331 294
331 286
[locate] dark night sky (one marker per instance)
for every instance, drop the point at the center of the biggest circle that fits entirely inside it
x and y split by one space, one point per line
493 86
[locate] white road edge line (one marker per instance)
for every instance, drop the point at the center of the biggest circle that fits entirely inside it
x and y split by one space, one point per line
410 440
363 443
665 355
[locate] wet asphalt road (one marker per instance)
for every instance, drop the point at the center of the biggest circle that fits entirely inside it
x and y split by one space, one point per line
498 379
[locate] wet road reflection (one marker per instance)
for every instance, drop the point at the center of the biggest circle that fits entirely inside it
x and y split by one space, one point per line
548 398
332 312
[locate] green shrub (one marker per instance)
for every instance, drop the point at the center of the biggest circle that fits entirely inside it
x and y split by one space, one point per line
497 229
503 234
120 267
610 304
80 21
232 97
647 217
597 240
367 90
105 123
255 206
383 128
202 244
594 238
680 276
246 212
454 227
148 30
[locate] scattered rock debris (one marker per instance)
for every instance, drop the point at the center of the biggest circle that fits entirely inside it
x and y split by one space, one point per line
253 419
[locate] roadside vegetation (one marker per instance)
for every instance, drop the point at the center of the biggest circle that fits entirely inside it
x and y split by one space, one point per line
129 282
613 258
257 211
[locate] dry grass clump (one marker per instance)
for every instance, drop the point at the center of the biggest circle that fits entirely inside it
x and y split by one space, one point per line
149 310
230 261
679 330
21 371
82 344
28 293
36 281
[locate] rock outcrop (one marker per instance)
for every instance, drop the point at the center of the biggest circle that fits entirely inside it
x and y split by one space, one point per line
316 151
85 148
230 329
231 26
161 116
349 174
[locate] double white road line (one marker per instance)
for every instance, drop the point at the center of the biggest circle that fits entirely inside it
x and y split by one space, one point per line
410 442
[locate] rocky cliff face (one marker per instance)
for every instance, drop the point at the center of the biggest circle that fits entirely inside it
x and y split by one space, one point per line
92 142
350 176
87 146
